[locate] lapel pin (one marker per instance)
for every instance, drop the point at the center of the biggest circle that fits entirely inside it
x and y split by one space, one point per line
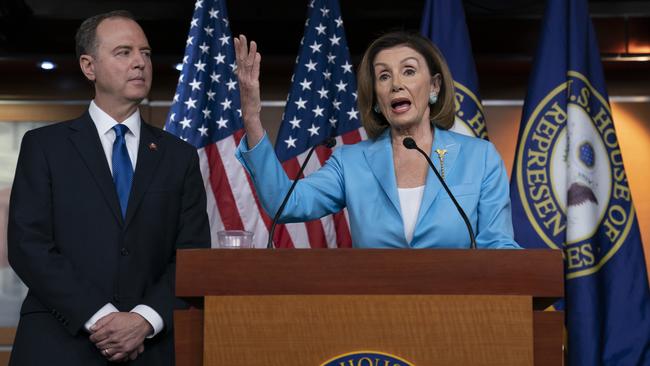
153 147
441 155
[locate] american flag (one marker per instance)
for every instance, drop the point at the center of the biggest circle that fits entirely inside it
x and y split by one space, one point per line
206 113
322 103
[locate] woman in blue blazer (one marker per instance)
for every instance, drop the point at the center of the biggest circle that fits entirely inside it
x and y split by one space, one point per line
393 198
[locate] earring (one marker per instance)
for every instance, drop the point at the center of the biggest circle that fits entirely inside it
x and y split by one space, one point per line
433 98
376 108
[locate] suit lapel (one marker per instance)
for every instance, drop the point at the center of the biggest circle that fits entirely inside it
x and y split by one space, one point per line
150 151
86 141
380 159
442 140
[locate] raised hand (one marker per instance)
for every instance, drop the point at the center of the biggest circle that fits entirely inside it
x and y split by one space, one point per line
248 73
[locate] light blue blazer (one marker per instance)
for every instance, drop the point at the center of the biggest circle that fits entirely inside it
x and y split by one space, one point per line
361 177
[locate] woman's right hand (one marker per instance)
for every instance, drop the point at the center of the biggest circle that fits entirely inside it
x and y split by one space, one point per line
248 73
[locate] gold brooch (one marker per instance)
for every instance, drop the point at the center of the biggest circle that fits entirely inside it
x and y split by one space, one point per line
441 155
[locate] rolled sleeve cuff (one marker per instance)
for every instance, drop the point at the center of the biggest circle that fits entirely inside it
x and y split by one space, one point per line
105 310
152 317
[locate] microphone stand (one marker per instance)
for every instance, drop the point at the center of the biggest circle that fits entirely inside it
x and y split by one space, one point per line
410 144
329 143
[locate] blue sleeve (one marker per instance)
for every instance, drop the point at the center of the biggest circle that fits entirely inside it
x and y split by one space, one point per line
319 194
494 213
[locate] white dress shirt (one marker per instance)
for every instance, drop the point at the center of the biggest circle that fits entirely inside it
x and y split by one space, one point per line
409 201
104 124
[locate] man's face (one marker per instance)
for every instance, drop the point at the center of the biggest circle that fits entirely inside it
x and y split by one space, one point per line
121 63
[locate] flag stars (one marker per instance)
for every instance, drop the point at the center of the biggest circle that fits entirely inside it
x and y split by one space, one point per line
295 122
311 65
198 4
353 114
203 130
196 85
200 66
214 14
226 104
172 117
185 122
321 28
190 103
204 48
194 22
301 103
313 130
291 142
315 47
190 41
220 59
322 92
318 111
325 11
318 101
222 123
231 84
306 85
347 67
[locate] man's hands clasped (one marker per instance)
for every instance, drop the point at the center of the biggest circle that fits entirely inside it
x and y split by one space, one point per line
120 336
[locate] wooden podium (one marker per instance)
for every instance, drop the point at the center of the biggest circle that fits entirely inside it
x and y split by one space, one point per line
428 307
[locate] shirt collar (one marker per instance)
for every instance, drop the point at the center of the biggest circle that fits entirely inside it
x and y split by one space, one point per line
104 122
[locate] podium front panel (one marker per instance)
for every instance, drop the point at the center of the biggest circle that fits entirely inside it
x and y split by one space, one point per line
308 330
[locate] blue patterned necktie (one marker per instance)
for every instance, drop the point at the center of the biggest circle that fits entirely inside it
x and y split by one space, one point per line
122 167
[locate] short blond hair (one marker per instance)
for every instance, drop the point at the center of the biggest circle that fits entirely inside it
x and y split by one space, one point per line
441 113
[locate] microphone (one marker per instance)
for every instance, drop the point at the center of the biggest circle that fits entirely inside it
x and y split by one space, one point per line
329 143
410 144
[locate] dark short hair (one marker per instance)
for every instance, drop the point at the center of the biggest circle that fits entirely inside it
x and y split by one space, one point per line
441 113
86 37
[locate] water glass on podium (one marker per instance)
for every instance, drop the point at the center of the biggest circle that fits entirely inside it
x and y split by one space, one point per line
234 239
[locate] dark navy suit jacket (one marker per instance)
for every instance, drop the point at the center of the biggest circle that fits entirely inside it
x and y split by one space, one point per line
70 245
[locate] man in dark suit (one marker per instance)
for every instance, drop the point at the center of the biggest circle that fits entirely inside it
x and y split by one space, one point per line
98 208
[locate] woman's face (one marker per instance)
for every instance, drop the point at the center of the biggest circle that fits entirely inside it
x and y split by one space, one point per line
403 83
